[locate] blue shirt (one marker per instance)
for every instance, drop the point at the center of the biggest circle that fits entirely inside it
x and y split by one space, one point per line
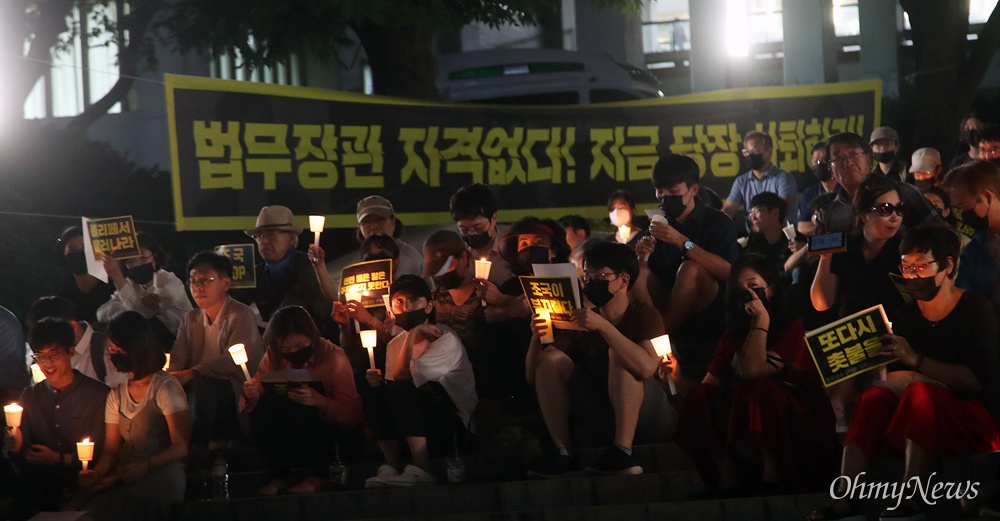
979 267
13 373
810 193
775 180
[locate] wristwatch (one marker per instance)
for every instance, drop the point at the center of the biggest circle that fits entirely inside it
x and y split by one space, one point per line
688 245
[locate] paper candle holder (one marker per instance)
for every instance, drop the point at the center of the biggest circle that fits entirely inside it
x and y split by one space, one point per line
36 373
239 354
85 451
661 345
12 413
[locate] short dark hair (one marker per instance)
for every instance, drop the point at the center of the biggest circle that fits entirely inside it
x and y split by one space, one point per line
934 190
382 242
473 201
150 243
623 195
941 241
49 332
285 322
873 187
132 333
576 222
675 168
218 263
846 138
973 178
990 132
619 258
51 307
770 270
756 134
771 201
817 146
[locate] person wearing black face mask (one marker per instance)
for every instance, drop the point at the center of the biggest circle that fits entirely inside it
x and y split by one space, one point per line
760 175
968 132
299 427
427 391
885 154
145 287
761 389
610 360
474 210
85 291
974 189
925 171
945 372
827 184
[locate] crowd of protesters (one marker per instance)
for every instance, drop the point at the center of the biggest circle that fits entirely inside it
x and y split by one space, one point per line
732 282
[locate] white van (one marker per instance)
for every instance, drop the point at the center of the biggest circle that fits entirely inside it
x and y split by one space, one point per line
540 77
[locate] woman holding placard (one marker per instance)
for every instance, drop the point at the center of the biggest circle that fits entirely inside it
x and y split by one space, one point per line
139 473
858 278
301 402
942 395
761 387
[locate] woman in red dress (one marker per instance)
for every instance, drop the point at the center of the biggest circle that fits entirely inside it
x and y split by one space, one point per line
762 388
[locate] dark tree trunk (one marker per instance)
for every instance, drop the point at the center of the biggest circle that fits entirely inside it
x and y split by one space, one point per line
401 58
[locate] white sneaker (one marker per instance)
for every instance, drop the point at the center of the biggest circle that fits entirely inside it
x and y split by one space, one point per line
379 479
412 476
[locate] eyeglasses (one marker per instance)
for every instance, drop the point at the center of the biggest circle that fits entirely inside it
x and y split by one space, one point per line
45 358
886 209
197 283
920 270
587 278
268 235
842 160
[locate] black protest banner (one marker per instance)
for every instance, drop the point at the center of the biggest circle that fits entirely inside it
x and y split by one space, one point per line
849 346
244 273
368 281
114 236
238 146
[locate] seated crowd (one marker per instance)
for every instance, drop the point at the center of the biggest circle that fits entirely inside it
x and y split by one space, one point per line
456 355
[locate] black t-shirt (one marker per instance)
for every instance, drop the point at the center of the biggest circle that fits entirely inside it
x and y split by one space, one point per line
589 350
708 228
87 303
777 252
866 284
966 336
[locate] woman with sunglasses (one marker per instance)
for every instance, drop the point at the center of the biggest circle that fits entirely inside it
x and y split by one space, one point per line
858 278
941 395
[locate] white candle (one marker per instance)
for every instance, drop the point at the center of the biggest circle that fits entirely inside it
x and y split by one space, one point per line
483 267
369 338
354 295
36 373
316 224
623 232
85 451
661 345
12 412
549 336
239 354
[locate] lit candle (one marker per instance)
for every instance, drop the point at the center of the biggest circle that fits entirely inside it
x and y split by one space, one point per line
85 451
166 364
239 354
36 373
356 296
549 336
661 345
12 412
623 233
316 224
369 338
483 267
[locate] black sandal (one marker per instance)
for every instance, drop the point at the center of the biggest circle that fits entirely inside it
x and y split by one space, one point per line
904 512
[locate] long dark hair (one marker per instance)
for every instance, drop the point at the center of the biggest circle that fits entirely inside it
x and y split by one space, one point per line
736 318
288 321
131 332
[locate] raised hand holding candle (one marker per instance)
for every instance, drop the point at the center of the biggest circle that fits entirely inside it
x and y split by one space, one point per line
316 224
36 373
369 338
85 451
661 345
239 354
483 267
12 413
549 336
